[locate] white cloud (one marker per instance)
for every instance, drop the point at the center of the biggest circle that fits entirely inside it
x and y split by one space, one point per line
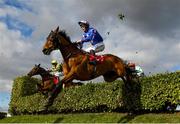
11 42
6 85
17 54
9 10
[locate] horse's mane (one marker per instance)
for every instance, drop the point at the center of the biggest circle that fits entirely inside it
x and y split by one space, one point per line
63 33
45 71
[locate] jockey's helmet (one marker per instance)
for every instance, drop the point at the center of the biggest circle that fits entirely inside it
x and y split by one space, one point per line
54 61
83 22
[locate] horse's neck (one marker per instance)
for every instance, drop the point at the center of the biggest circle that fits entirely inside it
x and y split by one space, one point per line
65 52
69 50
44 74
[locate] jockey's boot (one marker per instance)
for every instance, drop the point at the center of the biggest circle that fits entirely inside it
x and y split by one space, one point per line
53 95
93 61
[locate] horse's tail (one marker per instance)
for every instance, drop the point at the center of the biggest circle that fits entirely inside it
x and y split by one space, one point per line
128 74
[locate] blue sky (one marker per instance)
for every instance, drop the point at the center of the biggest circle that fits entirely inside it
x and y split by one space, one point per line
17 4
4 100
175 68
15 24
150 29
12 22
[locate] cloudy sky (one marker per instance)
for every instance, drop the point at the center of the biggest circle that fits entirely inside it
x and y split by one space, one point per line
148 36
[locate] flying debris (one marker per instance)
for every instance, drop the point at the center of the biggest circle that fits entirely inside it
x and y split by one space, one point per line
121 16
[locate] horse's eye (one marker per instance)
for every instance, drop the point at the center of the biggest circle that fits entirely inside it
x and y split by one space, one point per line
49 38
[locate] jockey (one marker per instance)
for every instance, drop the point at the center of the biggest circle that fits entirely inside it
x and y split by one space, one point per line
135 68
139 71
56 70
91 35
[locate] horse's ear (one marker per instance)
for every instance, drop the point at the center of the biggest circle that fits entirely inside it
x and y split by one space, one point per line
57 30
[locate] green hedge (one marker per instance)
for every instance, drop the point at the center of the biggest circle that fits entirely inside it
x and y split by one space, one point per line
151 93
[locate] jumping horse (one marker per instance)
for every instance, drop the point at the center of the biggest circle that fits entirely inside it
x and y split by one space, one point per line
47 79
48 84
76 61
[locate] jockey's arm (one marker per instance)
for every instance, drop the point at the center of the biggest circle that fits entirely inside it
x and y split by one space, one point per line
59 67
88 36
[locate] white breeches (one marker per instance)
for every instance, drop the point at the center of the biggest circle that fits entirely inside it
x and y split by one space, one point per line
57 74
97 48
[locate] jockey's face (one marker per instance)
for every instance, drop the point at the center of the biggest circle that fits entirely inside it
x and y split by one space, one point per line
84 27
54 64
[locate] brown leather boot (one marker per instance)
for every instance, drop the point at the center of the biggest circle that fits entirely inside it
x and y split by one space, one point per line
93 62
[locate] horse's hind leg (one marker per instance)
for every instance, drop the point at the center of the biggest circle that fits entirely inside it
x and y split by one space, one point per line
110 76
121 72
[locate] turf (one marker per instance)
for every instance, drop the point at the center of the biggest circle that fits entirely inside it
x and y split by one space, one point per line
95 118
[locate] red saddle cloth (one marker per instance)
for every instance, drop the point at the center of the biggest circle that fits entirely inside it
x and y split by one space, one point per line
55 80
99 58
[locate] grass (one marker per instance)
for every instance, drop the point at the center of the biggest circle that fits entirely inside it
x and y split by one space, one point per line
95 118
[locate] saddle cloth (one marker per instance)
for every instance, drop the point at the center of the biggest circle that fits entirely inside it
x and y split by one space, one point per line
98 58
55 80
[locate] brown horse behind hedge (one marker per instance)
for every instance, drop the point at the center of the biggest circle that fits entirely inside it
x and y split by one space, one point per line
47 79
47 85
76 61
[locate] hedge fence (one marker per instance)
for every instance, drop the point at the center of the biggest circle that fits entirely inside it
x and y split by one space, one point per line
152 93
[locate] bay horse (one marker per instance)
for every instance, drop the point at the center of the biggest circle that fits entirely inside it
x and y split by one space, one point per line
76 61
47 84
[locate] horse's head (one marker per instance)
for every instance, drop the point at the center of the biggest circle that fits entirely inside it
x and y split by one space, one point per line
35 70
51 42
54 40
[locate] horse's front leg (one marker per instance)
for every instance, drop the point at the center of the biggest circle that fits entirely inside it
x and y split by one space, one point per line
62 83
